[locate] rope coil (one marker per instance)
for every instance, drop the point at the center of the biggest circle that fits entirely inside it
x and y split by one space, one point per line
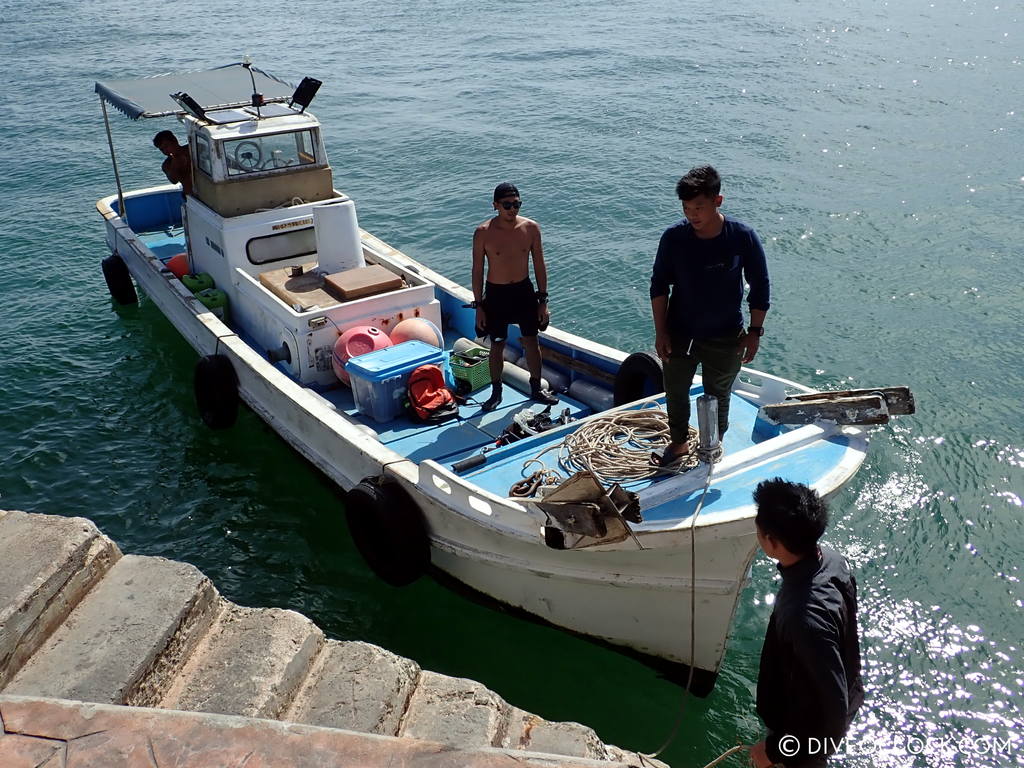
616 448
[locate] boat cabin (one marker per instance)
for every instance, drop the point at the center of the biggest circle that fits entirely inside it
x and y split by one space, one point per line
265 222
267 225
246 160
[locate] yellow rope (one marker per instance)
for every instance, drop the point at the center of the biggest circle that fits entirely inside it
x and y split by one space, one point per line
716 761
616 448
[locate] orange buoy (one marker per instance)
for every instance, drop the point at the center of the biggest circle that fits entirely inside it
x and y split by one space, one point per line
419 329
178 265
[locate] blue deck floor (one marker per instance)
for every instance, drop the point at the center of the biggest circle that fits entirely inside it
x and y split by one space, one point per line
456 439
807 465
164 245
504 466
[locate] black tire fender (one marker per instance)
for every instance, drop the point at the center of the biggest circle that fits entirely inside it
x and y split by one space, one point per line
388 530
640 375
216 390
119 281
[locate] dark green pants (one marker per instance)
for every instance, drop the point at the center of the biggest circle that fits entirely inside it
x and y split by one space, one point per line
719 359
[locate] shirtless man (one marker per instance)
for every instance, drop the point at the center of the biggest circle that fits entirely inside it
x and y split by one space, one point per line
507 242
177 166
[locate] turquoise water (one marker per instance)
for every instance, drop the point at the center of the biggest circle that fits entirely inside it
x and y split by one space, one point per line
875 147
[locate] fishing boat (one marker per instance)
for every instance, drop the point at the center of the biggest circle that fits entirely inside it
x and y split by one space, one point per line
265 271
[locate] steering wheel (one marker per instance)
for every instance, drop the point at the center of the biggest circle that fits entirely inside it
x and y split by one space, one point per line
248 155
276 161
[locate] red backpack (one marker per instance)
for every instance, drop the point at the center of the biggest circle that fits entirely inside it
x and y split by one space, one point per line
430 401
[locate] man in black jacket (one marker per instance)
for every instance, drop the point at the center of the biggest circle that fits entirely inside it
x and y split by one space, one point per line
809 686
703 264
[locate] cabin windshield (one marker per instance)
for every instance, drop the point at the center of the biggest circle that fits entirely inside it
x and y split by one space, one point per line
256 154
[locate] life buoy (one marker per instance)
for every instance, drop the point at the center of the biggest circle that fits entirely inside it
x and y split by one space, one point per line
119 281
387 529
216 389
640 375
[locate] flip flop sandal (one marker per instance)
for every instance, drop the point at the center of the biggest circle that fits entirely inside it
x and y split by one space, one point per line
658 459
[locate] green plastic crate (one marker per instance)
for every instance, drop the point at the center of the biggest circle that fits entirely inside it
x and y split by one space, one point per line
472 366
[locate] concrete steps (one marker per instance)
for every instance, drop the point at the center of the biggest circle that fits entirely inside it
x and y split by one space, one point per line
79 621
47 564
47 733
126 638
251 663
358 687
455 710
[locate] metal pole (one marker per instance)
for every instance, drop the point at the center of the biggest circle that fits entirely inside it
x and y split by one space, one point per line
707 423
113 159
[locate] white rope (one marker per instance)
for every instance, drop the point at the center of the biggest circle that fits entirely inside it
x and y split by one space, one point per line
693 620
618 447
721 757
717 760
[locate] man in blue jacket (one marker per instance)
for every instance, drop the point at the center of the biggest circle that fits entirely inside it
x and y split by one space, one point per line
704 259
809 685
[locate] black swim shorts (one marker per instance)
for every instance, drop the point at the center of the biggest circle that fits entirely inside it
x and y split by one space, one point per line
506 303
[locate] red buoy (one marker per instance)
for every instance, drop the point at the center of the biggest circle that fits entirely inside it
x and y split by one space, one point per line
178 265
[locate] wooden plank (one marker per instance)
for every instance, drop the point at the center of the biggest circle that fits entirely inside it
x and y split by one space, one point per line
579 366
362 281
303 291
898 400
869 409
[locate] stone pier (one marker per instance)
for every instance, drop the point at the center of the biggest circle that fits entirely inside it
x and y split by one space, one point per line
115 659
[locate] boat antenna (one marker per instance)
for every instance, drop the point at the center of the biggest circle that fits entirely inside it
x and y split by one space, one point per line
257 98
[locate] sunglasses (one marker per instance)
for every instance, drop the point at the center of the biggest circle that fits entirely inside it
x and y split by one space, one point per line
508 205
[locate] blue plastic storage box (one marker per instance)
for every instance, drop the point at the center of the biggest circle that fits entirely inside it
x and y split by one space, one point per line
379 379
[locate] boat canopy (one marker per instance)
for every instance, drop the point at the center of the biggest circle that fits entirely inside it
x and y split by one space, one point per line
227 86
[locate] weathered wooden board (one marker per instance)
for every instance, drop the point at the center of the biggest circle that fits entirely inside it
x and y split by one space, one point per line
870 409
898 400
303 291
362 281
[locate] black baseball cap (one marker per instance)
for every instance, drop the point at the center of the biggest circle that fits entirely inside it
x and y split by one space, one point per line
505 189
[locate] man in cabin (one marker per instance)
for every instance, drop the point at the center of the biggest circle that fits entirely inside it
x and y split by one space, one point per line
507 242
704 259
177 166
809 686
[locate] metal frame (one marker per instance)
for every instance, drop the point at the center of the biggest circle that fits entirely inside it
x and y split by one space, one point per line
113 160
